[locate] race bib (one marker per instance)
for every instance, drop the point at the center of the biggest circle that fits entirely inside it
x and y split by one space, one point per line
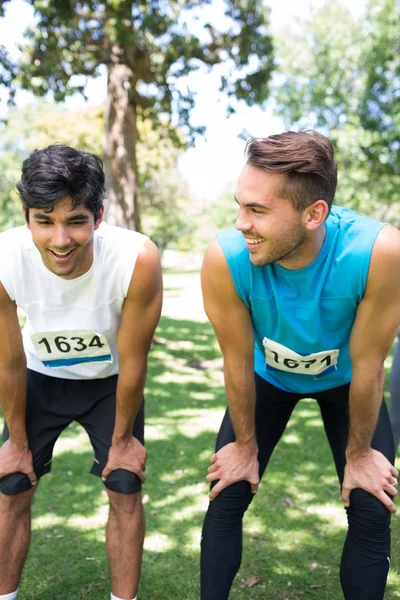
65 348
283 358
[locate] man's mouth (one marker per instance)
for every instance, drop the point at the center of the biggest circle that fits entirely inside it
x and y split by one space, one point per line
254 241
61 255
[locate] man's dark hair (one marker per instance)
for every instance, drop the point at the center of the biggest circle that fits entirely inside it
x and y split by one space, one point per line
307 160
57 172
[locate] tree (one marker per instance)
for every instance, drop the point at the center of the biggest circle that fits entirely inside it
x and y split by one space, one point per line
7 67
344 80
165 198
149 48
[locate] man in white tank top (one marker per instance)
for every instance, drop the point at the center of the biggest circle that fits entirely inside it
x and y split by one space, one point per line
92 294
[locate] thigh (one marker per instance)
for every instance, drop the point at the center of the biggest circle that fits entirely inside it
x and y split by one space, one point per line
273 409
334 406
44 424
98 420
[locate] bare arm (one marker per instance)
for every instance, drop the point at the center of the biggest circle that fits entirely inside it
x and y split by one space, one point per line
15 455
375 326
140 315
234 330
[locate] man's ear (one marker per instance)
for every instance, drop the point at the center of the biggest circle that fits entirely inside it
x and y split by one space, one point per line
315 214
100 217
25 214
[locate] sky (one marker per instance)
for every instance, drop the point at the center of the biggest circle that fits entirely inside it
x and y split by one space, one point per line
212 166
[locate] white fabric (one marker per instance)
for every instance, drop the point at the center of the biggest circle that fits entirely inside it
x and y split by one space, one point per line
90 303
283 358
11 596
112 597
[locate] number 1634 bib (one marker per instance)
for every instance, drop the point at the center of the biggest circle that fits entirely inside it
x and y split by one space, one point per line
283 358
65 348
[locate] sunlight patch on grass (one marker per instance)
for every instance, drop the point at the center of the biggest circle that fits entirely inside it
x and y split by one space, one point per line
198 490
193 535
158 542
314 422
334 515
156 432
198 506
95 523
46 521
291 438
79 443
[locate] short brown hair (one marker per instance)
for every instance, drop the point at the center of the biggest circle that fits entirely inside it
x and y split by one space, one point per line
307 159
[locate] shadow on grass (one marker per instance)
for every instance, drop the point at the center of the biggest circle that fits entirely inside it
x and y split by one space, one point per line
294 529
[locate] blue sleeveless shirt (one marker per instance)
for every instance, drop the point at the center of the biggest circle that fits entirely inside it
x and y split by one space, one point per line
303 318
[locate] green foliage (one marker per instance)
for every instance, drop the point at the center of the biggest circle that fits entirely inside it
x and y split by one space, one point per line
165 198
223 211
344 80
156 39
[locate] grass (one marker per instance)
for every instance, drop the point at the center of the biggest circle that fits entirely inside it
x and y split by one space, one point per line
293 532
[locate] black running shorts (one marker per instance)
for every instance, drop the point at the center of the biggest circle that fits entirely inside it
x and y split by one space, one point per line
52 404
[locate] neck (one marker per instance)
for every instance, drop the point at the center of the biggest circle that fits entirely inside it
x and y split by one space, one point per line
307 252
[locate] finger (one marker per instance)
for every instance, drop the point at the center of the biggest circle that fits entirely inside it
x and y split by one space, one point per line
32 477
213 458
212 469
213 476
105 473
217 489
394 472
346 496
387 501
391 489
254 488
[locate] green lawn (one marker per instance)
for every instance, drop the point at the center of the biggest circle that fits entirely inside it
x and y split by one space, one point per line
293 531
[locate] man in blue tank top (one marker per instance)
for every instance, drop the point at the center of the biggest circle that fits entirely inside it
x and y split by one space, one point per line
293 294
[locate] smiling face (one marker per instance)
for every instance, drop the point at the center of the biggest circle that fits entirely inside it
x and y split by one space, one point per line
64 237
273 229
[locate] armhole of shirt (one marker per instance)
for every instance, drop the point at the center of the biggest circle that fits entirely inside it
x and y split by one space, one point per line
368 255
129 266
234 259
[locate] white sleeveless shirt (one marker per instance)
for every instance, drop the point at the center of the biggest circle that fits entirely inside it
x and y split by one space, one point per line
71 324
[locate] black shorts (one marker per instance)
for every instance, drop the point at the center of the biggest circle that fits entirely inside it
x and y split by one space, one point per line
51 405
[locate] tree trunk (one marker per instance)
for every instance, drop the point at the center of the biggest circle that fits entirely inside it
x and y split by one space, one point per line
120 147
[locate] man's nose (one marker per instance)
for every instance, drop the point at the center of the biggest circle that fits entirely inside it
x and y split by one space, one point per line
243 222
61 237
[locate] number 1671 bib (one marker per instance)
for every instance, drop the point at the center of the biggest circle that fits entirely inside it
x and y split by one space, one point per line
283 358
66 348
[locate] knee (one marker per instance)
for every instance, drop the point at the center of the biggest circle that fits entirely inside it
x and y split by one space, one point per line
367 510
123 482
15 484
125 505
232 502
16 505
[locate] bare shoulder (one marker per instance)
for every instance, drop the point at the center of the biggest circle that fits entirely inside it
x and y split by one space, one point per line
146 277
387 241
5 301
215 266
385 254
385 261
219 292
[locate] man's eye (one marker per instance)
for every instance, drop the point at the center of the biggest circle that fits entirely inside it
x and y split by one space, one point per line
43 222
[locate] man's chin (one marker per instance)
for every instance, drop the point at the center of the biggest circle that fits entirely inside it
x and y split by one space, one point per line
258 261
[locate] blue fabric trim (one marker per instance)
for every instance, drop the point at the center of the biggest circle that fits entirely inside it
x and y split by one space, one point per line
65 362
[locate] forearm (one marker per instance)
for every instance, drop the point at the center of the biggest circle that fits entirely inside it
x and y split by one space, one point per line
13 399
365 399
129 394
241 396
